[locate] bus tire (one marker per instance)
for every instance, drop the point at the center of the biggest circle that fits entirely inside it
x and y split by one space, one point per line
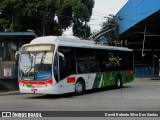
79 87
119 83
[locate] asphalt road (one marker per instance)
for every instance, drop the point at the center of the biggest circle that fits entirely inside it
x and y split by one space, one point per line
140 95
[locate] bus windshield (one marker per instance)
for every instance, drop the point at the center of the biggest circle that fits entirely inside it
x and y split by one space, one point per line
36 65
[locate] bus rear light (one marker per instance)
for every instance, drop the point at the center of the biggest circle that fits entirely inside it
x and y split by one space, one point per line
128 73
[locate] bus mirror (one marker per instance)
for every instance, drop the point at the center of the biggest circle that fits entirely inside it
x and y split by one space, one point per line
61 55
17 54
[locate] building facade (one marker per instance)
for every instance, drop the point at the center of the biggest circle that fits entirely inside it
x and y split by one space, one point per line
139 29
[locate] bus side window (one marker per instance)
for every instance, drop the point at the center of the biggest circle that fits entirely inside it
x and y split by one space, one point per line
62 66
86 61
61 59
66 62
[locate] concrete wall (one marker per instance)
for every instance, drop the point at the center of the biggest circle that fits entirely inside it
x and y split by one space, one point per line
8 82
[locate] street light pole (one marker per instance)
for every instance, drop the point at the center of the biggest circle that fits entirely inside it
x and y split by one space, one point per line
85 31
153 63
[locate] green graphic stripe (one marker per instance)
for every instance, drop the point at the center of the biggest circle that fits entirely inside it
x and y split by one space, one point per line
29 86
104 80
109 78
97 80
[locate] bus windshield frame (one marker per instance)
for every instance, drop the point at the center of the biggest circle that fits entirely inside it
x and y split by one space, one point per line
36 62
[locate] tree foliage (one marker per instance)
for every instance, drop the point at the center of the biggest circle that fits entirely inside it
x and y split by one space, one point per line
109 25
49 17
108 32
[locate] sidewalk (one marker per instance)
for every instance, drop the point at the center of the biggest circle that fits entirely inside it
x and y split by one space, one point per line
11 92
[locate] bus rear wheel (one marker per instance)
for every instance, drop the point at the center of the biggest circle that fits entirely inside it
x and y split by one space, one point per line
119 83
79 87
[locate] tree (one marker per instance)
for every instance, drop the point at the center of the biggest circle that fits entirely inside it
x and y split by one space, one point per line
109 25
45 17
108 32
82 14
28 14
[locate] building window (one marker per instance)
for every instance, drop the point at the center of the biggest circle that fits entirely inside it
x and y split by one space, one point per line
7 50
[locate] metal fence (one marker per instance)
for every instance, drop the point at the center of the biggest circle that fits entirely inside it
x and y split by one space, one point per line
146 71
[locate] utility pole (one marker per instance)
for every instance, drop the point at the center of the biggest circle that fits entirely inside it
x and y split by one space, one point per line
153 63
85 31
44 23
154 56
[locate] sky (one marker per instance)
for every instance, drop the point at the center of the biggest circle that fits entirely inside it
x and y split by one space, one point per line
102 8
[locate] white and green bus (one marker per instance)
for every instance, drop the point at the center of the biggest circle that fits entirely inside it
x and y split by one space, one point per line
58 65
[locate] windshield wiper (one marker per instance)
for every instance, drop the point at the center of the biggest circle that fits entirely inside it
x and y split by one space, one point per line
35 77
43 57
32 64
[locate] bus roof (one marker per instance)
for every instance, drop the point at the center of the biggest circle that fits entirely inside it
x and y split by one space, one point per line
73 41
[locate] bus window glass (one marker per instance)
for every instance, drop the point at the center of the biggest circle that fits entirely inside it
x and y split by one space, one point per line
8 49
66 62
36 65
86 61
109 60
114 60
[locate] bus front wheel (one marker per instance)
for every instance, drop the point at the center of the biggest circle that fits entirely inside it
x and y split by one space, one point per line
79 87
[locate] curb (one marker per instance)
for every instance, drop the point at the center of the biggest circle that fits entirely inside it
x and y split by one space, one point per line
155 78
9 93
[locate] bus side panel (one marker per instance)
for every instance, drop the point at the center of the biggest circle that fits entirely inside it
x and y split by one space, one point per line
66 87
94 80
128 76
52 89
68 84
106 79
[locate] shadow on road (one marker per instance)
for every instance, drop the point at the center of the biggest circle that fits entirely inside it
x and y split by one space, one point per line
71 95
